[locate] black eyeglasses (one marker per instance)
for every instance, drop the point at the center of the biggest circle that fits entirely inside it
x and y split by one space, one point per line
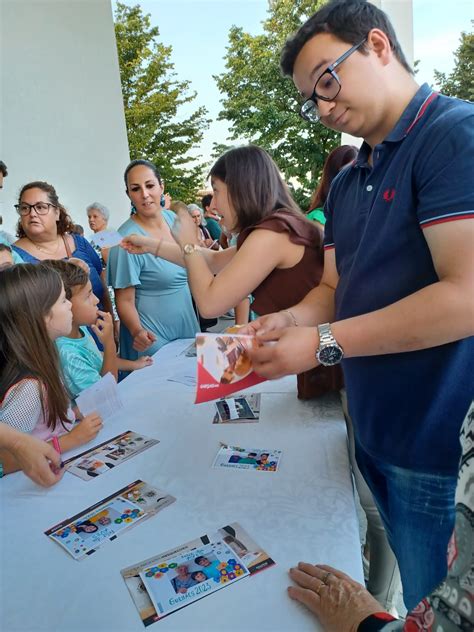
326 88
42 208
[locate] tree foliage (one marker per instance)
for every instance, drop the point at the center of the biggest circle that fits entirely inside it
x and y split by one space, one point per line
460 83
263 107
153 100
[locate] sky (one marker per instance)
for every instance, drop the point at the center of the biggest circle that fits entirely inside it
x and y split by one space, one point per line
198 30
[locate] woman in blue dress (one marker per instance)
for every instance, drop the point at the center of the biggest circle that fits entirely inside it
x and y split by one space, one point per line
152 295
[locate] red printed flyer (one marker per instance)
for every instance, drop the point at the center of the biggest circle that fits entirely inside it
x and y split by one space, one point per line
223 365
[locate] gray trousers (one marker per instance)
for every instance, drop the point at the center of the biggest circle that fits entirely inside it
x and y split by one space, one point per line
384 577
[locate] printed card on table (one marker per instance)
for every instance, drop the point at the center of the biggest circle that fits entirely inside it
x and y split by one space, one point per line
84 533
171 580
238 409
223 365
247 459
105 456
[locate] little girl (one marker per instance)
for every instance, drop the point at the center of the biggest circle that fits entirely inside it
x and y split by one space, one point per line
34 312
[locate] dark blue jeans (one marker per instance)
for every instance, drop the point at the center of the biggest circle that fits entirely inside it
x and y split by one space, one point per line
418 512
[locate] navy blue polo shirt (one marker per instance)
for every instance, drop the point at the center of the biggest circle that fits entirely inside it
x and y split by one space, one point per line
407 408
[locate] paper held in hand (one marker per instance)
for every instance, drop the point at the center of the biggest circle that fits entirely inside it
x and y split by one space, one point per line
224 365
102 398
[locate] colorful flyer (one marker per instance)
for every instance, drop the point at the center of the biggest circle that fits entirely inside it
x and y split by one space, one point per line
247 459
223 365
169 581
105 456
84 533
238 409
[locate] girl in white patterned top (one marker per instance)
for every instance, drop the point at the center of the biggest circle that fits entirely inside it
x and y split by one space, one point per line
34 312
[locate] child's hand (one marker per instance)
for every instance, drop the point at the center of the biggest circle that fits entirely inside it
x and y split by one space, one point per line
104 328
87 429
142 362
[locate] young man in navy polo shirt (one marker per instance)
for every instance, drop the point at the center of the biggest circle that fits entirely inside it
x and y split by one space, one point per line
396 302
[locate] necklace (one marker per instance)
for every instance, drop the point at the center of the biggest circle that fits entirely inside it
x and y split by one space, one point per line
45 250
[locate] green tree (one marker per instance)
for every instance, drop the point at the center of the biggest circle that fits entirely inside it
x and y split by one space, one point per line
152 98
460 83
263 107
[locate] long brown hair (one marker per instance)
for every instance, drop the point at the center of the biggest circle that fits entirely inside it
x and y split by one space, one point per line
64 223
254 184
28 293
339 157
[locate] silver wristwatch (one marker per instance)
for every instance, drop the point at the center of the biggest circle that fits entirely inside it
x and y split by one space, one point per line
329 351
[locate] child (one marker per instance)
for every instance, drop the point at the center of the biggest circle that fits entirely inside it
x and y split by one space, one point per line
6 256
82 362
34 312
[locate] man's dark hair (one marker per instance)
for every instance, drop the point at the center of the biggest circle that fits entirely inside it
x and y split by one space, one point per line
206 200
348 20
3 168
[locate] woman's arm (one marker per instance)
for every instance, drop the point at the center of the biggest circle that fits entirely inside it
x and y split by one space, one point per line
125 301
169 250
260 254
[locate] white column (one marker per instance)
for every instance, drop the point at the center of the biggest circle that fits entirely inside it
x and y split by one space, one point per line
62 114
400 13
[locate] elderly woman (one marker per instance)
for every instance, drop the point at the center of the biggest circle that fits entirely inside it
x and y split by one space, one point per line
203 235
152 295
44 231
98 216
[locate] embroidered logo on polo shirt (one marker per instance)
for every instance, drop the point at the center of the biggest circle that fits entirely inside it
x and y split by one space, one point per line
388 195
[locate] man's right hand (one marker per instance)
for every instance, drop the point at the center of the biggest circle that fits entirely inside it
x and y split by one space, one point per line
268 323
285 352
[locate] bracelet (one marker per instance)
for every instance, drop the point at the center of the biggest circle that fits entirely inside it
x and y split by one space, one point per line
1 469
157 249
287 311
375 622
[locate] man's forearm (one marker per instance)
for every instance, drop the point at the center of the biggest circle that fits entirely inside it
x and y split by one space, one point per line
438 314
316 307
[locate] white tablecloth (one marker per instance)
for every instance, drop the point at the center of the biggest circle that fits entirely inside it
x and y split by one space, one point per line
305 511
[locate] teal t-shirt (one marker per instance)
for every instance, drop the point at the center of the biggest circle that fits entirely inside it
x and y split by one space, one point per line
317 215
81 362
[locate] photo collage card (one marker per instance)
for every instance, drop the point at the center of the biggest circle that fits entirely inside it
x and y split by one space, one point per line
238 409
169 581
84 533
105 456
248 459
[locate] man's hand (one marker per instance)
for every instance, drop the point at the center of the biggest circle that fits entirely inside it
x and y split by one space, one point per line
286 352
339 602
37 459
143 339
270 322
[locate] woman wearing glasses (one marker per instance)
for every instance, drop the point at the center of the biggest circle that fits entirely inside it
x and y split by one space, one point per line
44 232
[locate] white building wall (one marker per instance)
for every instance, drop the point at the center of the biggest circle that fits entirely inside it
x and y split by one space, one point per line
61 105
400 13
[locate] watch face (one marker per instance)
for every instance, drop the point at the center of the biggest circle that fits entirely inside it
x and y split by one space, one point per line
330 355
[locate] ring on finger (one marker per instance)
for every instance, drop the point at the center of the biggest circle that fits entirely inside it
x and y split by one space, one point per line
326 577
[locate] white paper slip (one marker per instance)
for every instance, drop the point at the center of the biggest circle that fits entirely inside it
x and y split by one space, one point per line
107 238
102 398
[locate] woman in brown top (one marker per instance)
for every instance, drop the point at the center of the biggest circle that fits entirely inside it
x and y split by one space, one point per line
278 257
